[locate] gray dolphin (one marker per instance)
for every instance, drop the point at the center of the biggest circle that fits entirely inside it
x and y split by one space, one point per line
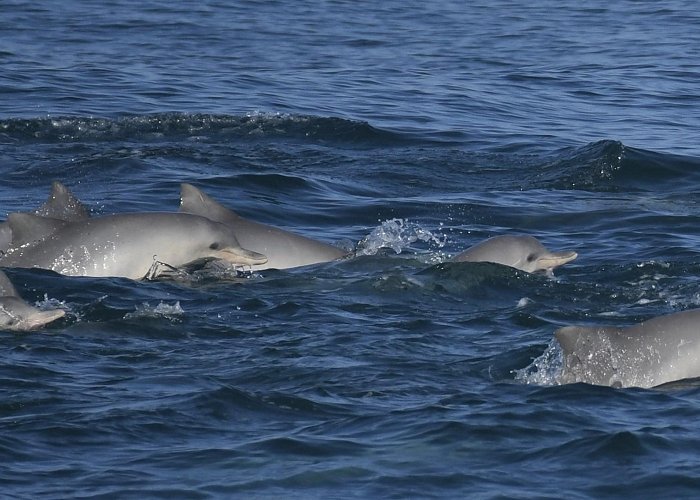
283 249
16 314
5 237
61 204
125 245
521 252
648 354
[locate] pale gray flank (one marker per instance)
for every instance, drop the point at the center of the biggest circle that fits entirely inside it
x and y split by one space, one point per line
657 351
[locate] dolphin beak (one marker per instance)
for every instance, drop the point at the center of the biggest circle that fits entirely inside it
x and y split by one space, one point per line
556 259
41 318
241 256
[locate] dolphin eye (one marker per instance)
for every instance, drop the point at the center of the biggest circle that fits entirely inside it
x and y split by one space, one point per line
531 257
214 246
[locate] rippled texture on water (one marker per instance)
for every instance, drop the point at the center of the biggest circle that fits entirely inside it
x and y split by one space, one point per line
407 131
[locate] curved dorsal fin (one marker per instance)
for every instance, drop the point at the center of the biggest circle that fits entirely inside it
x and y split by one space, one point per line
194 201
62 204
7 289
30 228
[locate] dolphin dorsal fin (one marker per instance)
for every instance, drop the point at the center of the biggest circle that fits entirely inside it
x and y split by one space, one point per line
194 201
7 289
5 236
62 204
29 228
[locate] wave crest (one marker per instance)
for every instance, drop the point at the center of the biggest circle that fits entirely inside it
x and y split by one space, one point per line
197 126
611 166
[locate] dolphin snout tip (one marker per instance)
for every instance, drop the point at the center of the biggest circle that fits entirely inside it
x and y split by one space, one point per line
557 259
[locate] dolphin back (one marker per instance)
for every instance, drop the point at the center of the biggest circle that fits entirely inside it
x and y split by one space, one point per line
657 351
28 228
588 354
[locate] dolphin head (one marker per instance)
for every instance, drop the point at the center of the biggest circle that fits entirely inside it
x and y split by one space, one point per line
531 256
17 315
519 251
226 247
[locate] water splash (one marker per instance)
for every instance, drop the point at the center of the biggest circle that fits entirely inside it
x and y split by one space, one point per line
49 304
398 235
545 369
172 312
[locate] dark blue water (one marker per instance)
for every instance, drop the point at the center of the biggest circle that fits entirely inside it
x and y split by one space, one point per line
408 131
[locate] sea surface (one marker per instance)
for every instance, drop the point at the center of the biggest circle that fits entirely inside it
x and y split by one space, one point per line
405 131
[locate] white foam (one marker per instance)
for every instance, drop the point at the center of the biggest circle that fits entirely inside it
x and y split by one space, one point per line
545 369
398 234
523 302
173 312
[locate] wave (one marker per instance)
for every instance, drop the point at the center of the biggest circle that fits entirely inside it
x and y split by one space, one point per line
198 127
612 166
604 166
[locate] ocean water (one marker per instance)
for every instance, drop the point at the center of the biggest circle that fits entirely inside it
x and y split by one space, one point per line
406 132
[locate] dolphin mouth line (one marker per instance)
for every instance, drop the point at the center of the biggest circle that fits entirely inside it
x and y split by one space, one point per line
558 259
241 256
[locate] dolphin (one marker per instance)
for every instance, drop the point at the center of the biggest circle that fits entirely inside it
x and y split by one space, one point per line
657 351
127 245
283 249
61 204
5 237
521 252
16 314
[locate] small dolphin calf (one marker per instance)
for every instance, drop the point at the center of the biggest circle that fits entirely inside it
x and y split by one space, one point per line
521 252
16 314
651 353
125 245
282 248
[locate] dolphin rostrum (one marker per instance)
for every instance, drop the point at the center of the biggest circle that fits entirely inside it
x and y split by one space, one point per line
521 252
125 245
283 249
16 314
657 351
